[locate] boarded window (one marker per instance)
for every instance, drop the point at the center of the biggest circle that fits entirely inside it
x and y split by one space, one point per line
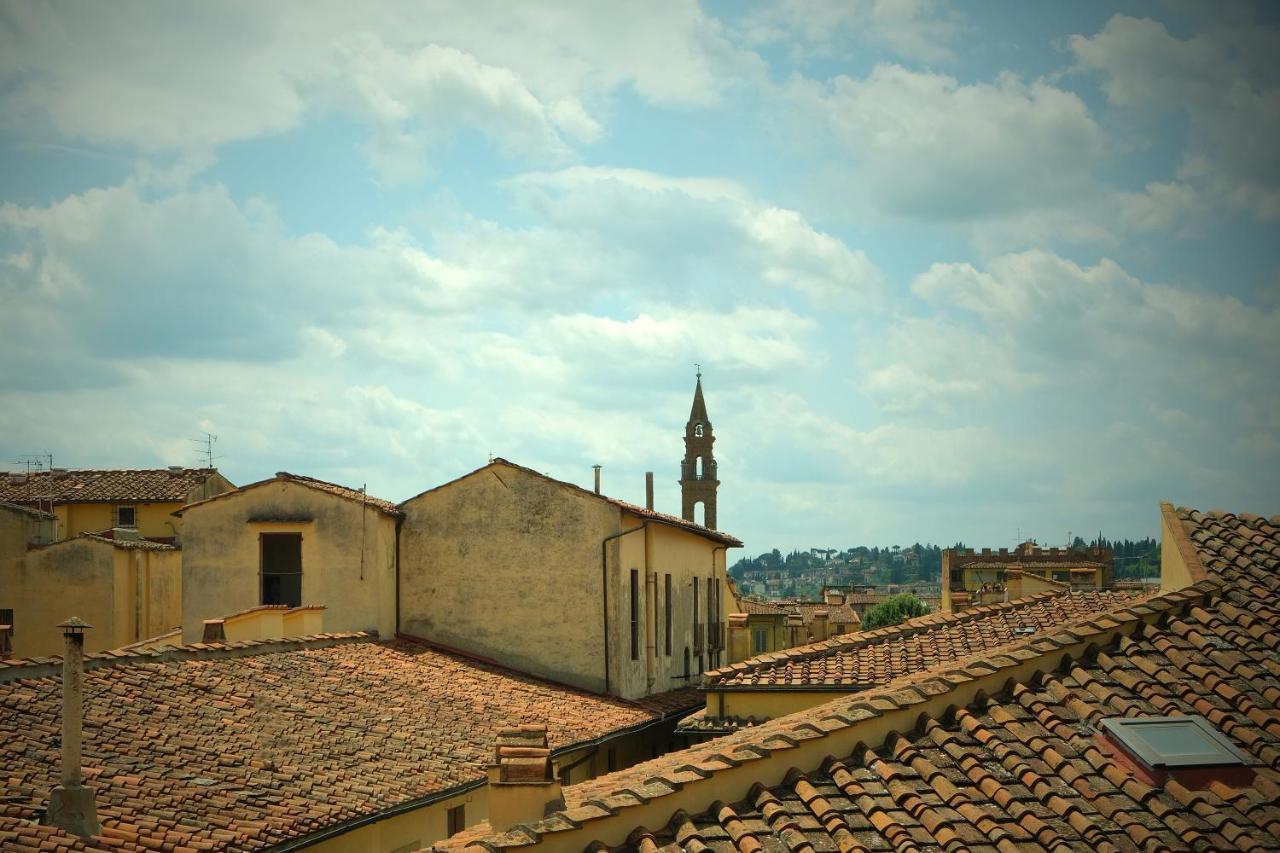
457 819
282 568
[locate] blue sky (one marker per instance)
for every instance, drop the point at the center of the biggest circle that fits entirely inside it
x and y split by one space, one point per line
953 272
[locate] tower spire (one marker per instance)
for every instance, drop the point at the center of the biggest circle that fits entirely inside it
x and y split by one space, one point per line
698 482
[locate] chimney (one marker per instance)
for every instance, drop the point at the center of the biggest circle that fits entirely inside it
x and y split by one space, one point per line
795 628
739 637
648 490
522 778
596 468
6 641
215 631
833 596
71 804
820 625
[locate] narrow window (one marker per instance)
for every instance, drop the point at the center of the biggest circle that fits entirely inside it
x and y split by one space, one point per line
611 759
666 604
126 516
758 644
6 618
635 614
711 616
697 468
686 662
697 623
282 568
457 819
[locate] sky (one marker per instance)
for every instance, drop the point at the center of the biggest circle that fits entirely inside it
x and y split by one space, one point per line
953 273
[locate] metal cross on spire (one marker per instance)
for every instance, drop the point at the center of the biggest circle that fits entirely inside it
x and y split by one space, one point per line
699 369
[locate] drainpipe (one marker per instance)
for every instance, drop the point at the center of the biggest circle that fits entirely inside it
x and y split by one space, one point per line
71 804
604 588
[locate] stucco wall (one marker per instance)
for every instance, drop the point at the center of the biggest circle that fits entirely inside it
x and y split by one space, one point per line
70 578
348 556
506 564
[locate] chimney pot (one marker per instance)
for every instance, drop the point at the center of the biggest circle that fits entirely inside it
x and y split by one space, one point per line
71 805
214 631
596 468
522 778
648 490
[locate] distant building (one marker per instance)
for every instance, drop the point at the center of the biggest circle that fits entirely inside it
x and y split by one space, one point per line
760 627
699 477
972 577
98 500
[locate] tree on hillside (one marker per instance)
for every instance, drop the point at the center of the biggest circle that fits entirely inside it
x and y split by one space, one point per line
894 611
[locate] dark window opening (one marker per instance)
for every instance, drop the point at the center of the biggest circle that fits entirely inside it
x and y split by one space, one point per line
687 673
697 624
457 819
635 614
611 759
759 644
126 516
282 568
711 615
6 618
666 604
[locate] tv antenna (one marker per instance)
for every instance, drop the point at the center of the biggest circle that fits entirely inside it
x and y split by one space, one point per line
206 448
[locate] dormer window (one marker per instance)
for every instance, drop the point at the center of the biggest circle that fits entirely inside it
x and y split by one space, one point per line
697 430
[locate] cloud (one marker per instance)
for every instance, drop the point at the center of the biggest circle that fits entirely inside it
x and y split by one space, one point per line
1224 81
924 145
532 78
912 29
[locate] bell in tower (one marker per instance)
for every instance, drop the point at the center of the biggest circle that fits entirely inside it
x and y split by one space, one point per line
698 482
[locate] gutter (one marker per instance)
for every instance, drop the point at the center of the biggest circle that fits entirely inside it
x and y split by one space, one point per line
793 688
604 588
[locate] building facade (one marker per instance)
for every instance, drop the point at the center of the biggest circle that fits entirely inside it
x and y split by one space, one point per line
564 583
971 577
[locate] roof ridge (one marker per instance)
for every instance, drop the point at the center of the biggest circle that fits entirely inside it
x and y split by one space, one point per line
381 504
44 667
870 717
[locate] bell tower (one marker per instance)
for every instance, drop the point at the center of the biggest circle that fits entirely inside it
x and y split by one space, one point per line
698 481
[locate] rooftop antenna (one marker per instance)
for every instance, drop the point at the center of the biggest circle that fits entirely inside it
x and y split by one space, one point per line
206 450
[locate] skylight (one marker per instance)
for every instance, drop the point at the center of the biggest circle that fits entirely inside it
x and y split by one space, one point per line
1173 742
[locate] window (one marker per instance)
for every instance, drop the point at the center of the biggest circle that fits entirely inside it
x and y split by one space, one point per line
666 604
282 568
697 467
697 624
457 819
711 615
697 430
759 641
635 614
6 618
126 516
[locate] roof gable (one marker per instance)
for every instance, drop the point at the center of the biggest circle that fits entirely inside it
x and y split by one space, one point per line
344 492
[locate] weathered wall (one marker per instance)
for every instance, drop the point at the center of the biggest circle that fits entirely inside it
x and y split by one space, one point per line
686 557
506 564
71 578
348 556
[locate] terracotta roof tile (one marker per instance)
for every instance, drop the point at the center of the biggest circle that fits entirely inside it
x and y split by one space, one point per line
1022 768
243 753
104 485
345 492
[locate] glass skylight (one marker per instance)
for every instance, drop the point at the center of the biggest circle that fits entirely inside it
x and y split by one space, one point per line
1172 742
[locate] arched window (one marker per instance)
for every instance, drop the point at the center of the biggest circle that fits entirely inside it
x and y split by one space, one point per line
697 467
697 430
700 513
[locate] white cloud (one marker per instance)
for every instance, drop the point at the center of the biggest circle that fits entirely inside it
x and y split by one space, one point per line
1223 80
913 29
168 79
926 145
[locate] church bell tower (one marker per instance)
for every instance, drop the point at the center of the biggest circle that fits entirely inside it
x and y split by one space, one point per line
698 481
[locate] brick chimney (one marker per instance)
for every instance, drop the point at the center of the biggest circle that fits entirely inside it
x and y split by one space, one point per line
820 630
596 468
648 490
833 596
739 637
71 804
522 778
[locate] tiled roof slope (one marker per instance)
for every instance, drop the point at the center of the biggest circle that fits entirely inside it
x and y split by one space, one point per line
26 510
244 753
310 482
997 753
104 486
879 656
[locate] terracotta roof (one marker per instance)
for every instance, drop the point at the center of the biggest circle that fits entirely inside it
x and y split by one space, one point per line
836 613
141 485
26 510
879 656
997 752
310 482
278 743
128 544
762 608
662 517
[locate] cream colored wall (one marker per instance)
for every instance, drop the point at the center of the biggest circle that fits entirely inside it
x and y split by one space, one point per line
764 704
506 565
222 559
686 557
49 584
418 828
1174 572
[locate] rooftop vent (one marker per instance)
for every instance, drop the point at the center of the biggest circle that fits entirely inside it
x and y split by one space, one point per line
1188 749
1024 631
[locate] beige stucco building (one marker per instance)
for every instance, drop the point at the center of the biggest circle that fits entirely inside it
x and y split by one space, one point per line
128 590
97 500
971 578
564 583
291 540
